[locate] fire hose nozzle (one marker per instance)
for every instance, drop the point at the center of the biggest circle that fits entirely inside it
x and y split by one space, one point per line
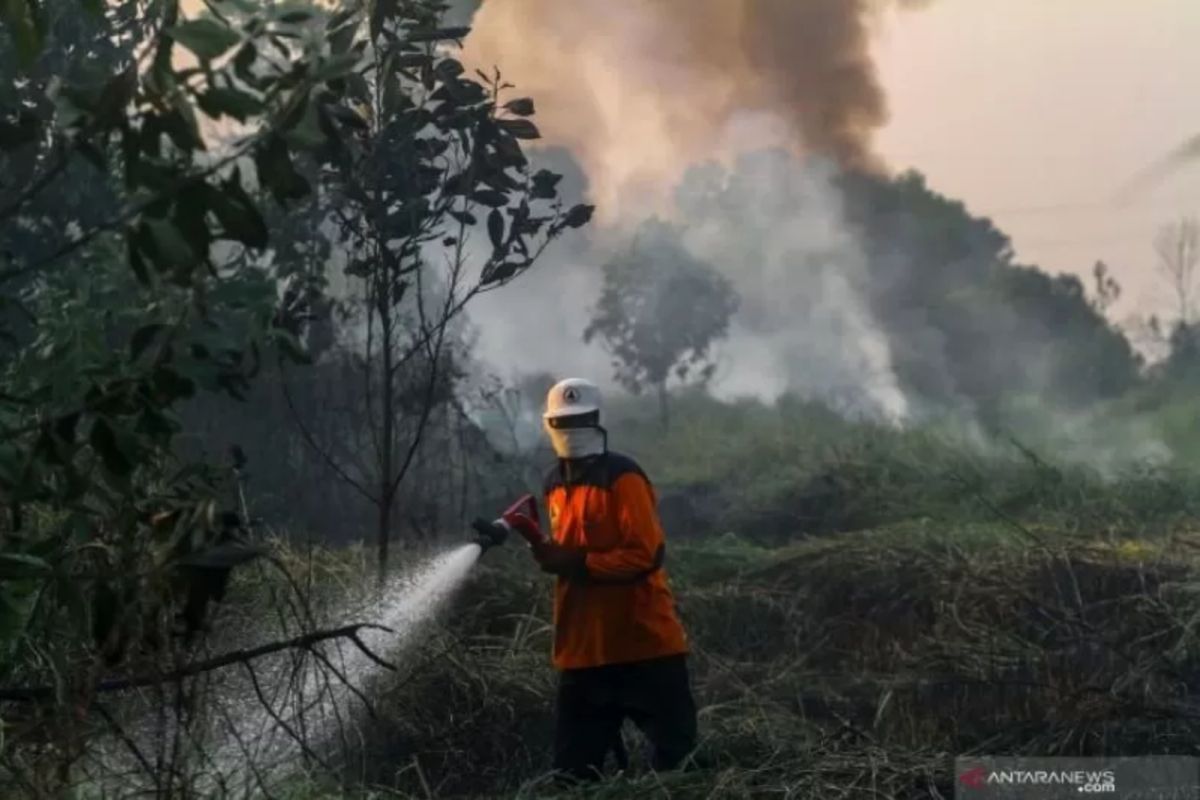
520 518
489 534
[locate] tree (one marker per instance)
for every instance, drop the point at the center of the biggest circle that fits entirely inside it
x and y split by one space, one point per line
1105 287
1182 364
659 313
1178 248
124 291
945 287
428 161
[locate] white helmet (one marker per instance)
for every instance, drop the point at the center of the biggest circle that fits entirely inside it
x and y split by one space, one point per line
574 397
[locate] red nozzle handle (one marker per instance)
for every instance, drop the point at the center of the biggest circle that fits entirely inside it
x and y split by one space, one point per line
525 505
522 517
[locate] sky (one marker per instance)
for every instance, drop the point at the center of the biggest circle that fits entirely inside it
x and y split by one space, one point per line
1037 113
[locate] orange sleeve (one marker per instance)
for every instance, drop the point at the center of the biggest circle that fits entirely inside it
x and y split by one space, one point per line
639 548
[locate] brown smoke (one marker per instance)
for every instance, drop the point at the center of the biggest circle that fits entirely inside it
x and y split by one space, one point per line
638 90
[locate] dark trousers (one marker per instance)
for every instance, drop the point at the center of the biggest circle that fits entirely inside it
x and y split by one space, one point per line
594 702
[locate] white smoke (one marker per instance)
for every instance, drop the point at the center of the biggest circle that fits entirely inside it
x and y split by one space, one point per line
642 96
774 227
536 323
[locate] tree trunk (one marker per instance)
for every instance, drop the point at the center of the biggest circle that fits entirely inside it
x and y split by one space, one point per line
386 409
384 534
663 415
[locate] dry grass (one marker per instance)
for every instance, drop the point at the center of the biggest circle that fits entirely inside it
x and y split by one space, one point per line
851 667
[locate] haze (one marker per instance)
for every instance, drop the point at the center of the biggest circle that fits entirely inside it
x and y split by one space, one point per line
1037 112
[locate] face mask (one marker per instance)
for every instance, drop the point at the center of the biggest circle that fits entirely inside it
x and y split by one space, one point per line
576 442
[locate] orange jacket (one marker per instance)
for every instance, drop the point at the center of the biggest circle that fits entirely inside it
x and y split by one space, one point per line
623 610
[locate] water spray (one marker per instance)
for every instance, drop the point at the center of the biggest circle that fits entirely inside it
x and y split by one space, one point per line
250 731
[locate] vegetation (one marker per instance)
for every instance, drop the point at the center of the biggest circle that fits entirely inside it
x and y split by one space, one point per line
236 252
1042 612
115 312
165 285
433 155
659 312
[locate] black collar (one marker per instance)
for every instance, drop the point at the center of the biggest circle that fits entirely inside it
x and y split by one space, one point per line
576 470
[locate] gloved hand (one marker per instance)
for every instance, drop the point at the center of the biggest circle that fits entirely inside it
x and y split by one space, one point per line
488 534
566 562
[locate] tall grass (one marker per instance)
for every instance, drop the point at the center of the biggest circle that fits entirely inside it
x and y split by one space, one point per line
774 473
864 604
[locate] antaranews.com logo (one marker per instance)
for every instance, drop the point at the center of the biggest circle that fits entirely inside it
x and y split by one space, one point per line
1084 781
1112 777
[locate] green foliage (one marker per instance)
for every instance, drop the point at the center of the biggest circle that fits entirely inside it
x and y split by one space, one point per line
771 472
940 287
984 589
25 25
131 226
1181 368
428 161
427 154
945 289
207 38
170 187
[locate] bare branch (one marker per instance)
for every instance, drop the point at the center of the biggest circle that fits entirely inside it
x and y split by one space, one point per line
38 693
366 651
36 186
125 739
280 721
311 441
1178 249
366 701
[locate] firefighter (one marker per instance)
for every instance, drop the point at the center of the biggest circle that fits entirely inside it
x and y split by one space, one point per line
618 644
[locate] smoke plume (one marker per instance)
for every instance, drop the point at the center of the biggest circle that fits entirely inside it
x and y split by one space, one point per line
660 102
638 90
